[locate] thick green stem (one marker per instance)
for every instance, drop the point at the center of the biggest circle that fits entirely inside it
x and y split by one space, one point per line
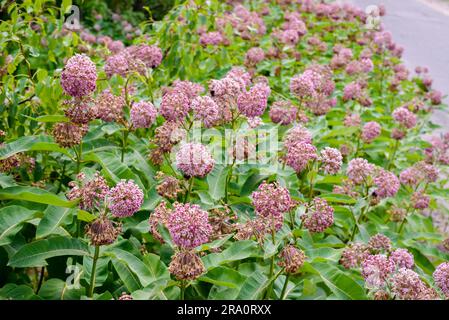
93 272
124 143
393 154
284 288
189 190
273 239
183 290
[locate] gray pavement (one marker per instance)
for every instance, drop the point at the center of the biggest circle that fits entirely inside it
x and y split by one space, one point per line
422 28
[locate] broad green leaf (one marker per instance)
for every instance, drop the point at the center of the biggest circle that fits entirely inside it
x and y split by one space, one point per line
129 278
17 292
31 143
338 198
217 181
35 253
253 287
342 286
57 289
11 220
37 195
146 272
237 251
223 276
53 218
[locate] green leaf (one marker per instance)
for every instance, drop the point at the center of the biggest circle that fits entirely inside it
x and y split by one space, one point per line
113 167
50 118
17 292
57 289
35 253
338 198
147 271
217 181
223 276
33 194
53 218
342 286
31 143
129 278
237 251
253 287
85 216
11 221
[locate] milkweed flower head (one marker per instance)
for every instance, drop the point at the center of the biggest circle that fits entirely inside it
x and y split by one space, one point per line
151 56
283 112
188 225
407 285
376 269
90 193
387 184
402 258
405 117
370 131
331 160
271 200
254 102
213 38
125 199
194 160
254 56
79 76
159 216
143 114
297 135
109 107
103 231
300 155
80 111
319 216
379 243
175 105
441 278
291 259
359 170
186 265
420 201
190 89
352 120
69 134
353 255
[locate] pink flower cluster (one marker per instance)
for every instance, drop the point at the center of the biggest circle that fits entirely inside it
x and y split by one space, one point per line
359 170
206 109
188 225
331 160
133 59
253 103
441 278
271 200
125 199
283 112
194 160
90 193
143 114
370 131
387 184
79 76
405 117
319 216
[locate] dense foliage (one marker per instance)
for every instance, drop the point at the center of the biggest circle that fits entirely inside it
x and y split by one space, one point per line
233 150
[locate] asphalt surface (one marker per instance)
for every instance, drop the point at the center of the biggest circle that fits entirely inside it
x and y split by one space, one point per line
422 28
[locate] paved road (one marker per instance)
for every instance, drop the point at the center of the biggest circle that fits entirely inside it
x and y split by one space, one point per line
423 30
